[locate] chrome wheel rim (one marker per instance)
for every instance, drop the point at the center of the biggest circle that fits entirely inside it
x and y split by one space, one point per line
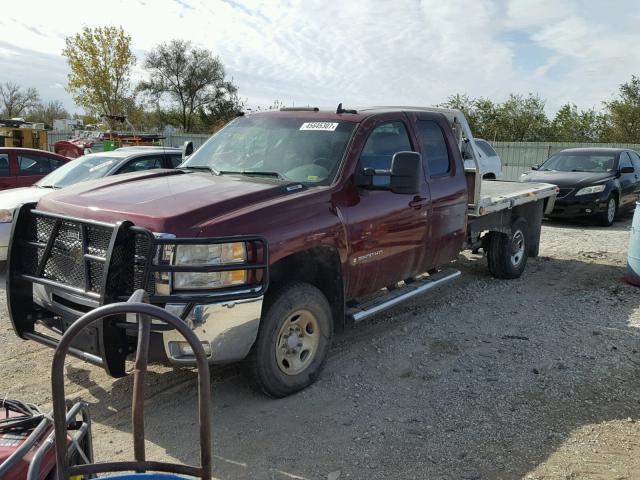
611 210
517 248
297 342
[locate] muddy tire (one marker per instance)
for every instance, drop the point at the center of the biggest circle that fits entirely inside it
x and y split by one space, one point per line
293 340
507 254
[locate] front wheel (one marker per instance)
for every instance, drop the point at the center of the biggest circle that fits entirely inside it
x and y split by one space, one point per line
507 254
607 217
293 340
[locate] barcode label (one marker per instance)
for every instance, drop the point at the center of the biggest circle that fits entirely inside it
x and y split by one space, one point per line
319 126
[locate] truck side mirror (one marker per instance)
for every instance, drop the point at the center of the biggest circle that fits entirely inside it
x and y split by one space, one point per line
187 149
406 173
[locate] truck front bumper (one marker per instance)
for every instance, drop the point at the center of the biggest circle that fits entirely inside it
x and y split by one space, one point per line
227 330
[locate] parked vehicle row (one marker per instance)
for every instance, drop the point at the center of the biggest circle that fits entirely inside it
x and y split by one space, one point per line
88 167
281 229
593 182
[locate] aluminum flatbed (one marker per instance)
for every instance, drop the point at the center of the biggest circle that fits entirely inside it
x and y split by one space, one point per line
498 195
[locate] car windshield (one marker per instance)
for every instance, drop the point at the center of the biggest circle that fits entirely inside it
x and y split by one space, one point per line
580 162
87 167
296 149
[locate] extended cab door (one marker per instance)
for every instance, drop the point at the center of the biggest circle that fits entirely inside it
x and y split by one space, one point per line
387 231
444 173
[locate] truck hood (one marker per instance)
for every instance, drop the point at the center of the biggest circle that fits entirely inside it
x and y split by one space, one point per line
567 179
167 201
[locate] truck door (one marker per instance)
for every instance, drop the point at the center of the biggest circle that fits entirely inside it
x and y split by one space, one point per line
387 231
444 172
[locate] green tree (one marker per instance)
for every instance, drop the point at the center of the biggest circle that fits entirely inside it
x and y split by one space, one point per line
16 100
100 60
192 80
572 125
522 119
622 121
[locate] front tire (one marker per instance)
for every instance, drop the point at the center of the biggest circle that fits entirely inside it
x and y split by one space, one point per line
507 254
607 217
293 340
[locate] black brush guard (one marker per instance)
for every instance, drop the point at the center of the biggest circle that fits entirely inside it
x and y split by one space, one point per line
100 263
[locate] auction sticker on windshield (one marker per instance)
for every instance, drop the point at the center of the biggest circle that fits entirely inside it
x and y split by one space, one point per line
319 126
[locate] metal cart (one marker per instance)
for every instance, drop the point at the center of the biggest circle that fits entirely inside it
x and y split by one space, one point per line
144 314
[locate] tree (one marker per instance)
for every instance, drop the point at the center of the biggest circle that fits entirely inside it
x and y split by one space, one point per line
522 119
225 108
192 78
571 125
100 60
48 112
16 100
623 114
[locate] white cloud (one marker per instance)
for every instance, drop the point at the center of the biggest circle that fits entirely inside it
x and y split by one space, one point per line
360 52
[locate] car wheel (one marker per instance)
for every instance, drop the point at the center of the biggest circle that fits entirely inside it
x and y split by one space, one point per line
607 217
293 340
507 254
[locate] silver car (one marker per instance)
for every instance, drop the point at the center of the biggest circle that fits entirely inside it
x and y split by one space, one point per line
87 167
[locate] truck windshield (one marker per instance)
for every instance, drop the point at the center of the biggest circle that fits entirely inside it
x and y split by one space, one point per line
87 167
580 162
297 149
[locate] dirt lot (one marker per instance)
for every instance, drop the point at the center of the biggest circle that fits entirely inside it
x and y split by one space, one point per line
535 378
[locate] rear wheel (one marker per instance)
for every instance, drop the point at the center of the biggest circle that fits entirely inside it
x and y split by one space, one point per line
293 340
607 217
507 254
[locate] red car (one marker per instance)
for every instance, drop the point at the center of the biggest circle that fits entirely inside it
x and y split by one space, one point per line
22 167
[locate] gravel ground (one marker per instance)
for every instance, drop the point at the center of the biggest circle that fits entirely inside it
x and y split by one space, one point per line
533 378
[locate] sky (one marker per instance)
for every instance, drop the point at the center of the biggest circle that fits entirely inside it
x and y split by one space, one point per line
378 52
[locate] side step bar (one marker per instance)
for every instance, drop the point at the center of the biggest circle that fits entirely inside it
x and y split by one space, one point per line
394 297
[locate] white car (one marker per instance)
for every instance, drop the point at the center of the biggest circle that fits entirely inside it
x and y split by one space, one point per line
490 163
87 167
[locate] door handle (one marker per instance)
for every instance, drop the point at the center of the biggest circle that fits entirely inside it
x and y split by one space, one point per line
418 202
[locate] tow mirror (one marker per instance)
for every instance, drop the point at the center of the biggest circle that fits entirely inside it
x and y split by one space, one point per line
627 170
405 175
187 149
406 172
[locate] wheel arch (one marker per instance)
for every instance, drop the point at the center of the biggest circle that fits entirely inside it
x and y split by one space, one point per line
318 266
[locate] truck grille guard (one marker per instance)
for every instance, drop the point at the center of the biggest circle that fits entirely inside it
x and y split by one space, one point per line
106 263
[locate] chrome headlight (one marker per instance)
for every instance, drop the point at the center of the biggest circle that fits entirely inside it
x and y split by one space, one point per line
6 215
590 190
201 256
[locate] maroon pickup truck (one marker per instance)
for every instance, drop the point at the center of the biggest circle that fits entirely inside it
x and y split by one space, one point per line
280 230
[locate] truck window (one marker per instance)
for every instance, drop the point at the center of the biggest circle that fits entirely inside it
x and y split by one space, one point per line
434 148
385 140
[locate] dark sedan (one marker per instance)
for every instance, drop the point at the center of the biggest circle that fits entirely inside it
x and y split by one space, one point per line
593 182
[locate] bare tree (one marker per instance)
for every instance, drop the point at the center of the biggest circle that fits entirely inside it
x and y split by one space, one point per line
192 78
16 100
